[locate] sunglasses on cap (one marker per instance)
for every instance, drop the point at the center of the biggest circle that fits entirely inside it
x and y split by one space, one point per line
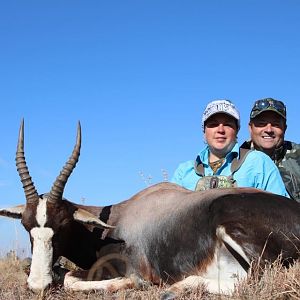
268 104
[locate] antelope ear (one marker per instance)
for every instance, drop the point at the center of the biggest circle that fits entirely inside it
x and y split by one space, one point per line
13 212
85 217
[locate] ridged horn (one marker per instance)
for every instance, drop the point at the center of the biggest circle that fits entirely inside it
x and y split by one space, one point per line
28 186
60 182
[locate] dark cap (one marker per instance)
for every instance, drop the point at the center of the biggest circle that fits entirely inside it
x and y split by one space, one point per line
268 104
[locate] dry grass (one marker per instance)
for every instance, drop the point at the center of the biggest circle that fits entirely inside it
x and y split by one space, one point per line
276 282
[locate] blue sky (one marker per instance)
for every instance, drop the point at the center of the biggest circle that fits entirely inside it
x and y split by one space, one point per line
137 74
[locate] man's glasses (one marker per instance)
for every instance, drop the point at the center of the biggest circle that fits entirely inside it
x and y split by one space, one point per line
265 104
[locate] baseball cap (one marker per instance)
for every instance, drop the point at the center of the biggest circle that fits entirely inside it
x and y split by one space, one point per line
220 106
268 104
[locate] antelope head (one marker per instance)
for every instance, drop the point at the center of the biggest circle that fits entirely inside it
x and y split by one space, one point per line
44 216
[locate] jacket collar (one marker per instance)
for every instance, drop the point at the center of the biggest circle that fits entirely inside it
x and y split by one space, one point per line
203 156
278 153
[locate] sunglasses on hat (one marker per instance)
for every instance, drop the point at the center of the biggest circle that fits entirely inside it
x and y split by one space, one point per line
268 104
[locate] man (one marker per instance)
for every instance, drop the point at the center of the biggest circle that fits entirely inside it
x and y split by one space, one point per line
221 164
267 127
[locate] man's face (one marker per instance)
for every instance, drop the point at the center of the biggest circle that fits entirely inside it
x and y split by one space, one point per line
220 134
267 131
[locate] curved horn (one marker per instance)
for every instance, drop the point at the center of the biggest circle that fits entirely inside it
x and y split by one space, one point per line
28 186
60 182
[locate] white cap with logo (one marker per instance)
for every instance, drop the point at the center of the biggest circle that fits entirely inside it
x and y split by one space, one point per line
221 106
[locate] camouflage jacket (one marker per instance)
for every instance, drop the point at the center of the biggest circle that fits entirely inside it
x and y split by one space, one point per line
287 159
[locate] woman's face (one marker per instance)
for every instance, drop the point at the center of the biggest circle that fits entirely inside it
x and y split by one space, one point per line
220 134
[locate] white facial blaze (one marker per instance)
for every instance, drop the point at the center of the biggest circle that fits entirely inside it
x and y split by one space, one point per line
41 266
41 212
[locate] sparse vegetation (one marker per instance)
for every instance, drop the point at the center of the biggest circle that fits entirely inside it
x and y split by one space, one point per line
276 282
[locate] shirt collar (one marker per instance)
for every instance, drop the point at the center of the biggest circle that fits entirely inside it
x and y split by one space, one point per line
203 155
